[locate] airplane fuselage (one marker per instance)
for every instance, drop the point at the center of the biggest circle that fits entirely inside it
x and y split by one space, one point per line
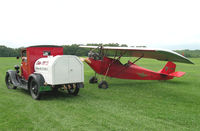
114 68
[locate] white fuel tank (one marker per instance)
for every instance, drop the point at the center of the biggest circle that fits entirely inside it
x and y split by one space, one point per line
61 69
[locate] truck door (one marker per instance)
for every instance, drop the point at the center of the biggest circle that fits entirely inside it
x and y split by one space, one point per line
24 65
75 70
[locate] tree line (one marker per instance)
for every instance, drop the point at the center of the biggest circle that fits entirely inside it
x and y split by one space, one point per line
74 49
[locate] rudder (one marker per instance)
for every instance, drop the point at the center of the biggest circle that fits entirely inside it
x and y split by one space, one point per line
169 68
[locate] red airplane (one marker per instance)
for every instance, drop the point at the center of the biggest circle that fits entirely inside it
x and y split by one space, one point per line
99 61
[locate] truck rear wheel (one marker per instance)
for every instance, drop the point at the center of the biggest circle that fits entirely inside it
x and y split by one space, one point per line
73 89
34 89
9 83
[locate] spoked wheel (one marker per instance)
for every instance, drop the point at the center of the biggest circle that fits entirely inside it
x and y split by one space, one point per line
34 89
73 89
93 80
9 83
103 85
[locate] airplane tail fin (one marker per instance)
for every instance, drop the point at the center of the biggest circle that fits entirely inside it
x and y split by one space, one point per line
169 70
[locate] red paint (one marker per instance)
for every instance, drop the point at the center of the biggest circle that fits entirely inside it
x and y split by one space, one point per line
33 54
114 68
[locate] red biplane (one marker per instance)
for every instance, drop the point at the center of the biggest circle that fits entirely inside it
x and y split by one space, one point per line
99 61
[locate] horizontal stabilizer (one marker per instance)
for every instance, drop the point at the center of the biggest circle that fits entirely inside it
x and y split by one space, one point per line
177 74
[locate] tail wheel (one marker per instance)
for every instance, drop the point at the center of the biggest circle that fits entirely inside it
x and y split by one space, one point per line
9 83
34 89
73 89
103 85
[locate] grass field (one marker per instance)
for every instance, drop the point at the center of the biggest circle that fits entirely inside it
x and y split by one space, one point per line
125 105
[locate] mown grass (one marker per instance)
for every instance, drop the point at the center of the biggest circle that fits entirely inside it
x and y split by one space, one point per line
125 105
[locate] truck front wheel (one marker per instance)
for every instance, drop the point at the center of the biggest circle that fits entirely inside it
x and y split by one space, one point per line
34 89
9 83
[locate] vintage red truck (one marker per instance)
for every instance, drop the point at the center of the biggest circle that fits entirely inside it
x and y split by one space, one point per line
45 68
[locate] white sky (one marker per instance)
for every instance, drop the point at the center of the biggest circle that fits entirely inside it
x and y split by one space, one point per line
154 23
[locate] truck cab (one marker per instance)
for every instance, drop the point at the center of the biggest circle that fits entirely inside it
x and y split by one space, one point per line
31 54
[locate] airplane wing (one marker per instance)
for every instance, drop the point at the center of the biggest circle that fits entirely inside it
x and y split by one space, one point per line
159 54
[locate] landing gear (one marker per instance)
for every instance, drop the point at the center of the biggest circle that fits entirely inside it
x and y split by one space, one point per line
103 84
93 80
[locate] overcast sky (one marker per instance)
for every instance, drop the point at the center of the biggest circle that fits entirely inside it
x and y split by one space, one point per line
154 23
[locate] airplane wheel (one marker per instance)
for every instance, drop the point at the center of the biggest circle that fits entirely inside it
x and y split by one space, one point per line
9 83
103 85
93 80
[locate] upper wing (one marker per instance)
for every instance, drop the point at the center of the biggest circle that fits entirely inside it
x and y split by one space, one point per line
159 54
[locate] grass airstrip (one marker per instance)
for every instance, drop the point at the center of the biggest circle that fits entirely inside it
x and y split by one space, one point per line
125 105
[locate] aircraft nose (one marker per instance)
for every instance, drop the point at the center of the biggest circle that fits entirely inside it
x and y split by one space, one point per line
85 60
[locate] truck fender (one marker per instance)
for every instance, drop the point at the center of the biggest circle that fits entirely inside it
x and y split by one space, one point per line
38 77
13 75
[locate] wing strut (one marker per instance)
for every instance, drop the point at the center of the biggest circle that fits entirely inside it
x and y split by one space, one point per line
138 59
128 64
112 63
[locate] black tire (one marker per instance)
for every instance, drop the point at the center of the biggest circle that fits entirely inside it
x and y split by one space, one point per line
93 80
34 89
9 83
103 85
73 90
